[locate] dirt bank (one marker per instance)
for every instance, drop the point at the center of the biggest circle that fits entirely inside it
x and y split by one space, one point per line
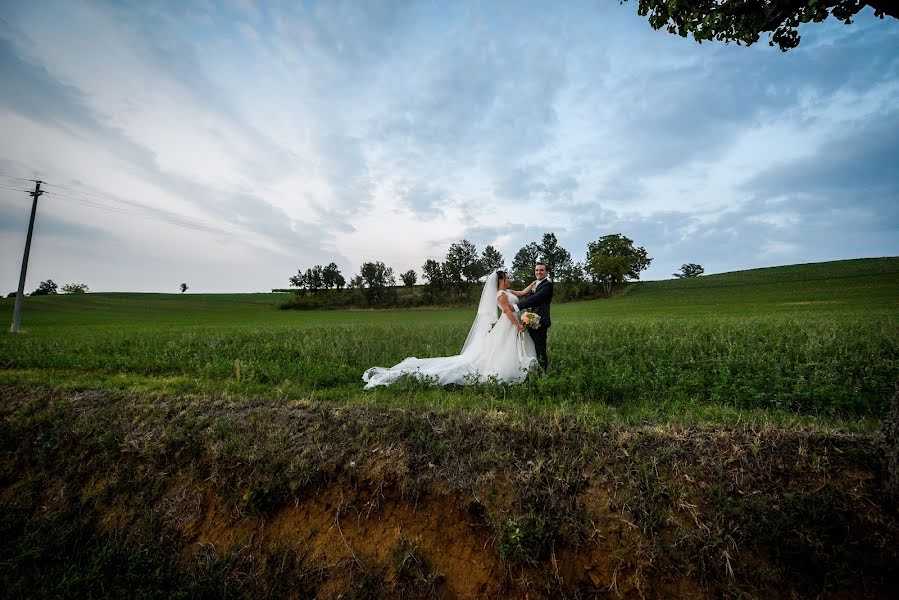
121 495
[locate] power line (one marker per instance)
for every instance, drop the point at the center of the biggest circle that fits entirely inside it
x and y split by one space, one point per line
142 209
19 178
13 189
153 217
136 209
149 211
98 195
126 211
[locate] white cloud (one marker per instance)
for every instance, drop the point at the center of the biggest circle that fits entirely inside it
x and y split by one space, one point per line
778 220
349 132
778 248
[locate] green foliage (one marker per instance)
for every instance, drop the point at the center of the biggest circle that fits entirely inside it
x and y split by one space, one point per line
317 278
409 278
492 260
45 288
613 260
331 277
689 270
314 278
377 279
574 283
743 21
75 288
558 263
557 258
462 265
432 272
523 263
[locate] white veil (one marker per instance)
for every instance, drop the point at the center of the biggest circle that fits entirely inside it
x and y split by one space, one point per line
486 317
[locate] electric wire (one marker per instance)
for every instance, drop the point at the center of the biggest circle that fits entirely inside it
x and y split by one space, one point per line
13 189
19 178
158 218
136 209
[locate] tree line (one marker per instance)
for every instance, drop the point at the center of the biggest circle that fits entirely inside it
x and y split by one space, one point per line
49 287
610 262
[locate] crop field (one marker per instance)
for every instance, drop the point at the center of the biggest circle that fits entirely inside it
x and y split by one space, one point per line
806 344
712 437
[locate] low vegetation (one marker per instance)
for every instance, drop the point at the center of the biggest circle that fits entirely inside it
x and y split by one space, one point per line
702 436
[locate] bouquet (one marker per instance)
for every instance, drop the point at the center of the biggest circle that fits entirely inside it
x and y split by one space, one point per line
530 319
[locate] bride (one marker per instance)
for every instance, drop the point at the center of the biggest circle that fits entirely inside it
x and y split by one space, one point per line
502 349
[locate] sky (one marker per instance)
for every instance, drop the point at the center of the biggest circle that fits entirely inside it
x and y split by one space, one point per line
229 144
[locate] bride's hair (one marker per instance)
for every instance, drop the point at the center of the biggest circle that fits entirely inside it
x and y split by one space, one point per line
500 275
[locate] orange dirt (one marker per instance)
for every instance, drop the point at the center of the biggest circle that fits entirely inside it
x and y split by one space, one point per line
334 526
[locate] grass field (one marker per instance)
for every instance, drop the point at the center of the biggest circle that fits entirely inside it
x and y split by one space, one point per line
804 344
704 438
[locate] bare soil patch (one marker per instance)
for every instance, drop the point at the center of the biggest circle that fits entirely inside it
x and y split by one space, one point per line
298 499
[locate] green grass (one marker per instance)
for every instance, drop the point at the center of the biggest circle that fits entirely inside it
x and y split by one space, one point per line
801 345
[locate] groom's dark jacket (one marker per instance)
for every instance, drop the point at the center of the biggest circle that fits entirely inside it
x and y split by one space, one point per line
539 301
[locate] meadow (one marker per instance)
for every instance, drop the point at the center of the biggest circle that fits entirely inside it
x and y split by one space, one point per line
804 344
714 437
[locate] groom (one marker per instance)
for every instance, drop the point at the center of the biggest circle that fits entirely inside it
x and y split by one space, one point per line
539 298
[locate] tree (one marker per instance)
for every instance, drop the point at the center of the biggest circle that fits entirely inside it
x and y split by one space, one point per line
75 288
553 255
743 21
339 281
356 282
613 260
376 278
572 275
608 271
299 281
183 287
331 276
409 278
524 261
492 260
314 278
572 272
689 270
45 288
462 264
432 272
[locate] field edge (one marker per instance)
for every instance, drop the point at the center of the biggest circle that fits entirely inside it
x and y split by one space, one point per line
245 496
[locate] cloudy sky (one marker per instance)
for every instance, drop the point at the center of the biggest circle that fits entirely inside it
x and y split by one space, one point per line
228 144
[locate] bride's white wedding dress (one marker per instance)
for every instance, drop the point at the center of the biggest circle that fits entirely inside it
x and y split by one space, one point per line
494 349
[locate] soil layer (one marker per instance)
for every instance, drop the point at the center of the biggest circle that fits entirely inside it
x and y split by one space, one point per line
110 495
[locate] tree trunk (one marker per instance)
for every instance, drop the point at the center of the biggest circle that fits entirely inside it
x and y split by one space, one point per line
607 286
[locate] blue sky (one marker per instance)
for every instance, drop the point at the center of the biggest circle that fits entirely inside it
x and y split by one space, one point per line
228 144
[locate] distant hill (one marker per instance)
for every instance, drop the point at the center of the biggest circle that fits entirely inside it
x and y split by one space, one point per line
833 270
869 284
863 286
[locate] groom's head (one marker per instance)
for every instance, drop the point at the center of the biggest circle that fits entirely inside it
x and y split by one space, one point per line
540 271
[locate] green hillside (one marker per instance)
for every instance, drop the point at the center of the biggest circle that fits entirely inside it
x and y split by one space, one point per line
846 286
810 342
863 286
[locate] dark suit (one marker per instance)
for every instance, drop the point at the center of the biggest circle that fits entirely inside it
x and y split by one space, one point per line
539 300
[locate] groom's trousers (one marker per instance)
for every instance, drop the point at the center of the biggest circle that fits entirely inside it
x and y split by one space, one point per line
539 337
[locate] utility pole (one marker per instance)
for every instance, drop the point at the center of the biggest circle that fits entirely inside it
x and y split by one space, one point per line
20 294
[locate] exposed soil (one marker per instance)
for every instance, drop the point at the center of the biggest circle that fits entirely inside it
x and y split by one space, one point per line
302 500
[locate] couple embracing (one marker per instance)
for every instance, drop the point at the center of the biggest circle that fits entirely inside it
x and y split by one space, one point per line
499 345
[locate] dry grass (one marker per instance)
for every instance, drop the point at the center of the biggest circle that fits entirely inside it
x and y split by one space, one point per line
301 499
